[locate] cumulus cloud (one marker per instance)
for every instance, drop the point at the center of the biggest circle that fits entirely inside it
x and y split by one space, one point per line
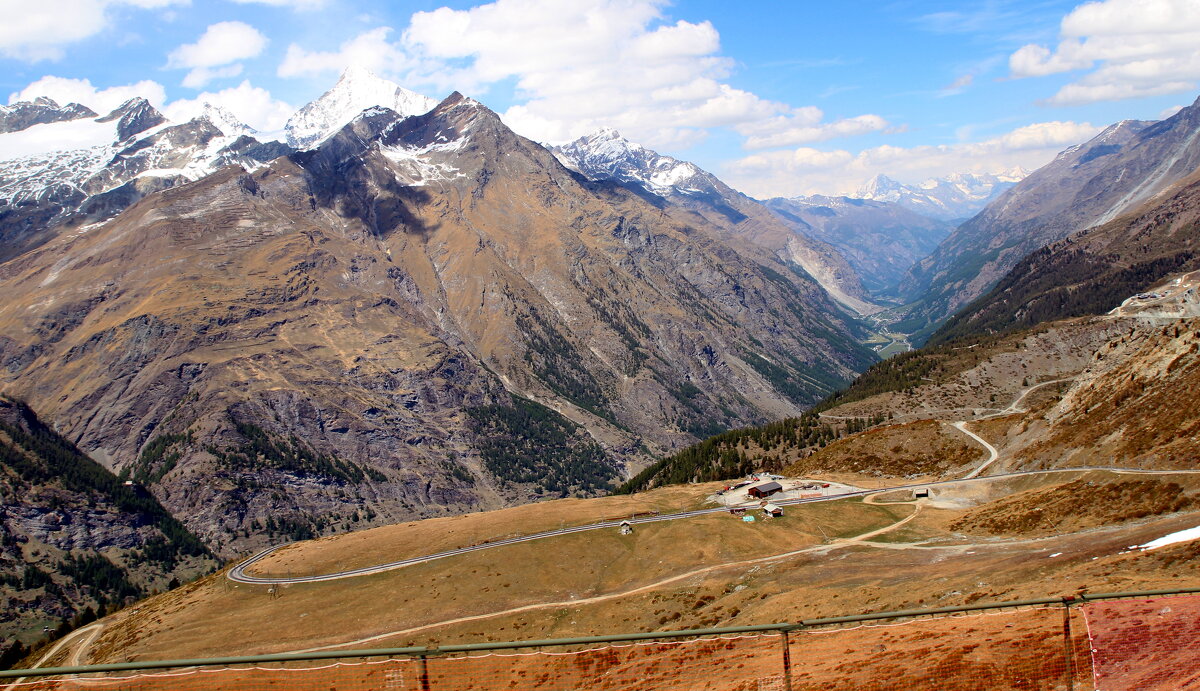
592 63
33 31
291 4
809 171
1129 48
217 53
1168 112
251 104
371 49
103 101
579 65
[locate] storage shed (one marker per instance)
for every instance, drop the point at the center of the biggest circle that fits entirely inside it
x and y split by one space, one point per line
772 510
764 489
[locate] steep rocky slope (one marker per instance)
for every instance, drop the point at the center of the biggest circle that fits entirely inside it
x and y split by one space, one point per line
1092 271
607 156
1115 390
300 349
74 539
881 240
1091 184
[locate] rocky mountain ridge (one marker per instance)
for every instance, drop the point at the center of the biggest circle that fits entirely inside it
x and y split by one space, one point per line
607 156
86 169
1116 172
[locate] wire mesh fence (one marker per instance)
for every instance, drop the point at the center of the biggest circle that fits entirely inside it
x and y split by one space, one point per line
1150 644
1098 644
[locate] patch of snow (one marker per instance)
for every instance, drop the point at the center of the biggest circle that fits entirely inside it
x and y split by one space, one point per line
416 167
1056 554
1171 539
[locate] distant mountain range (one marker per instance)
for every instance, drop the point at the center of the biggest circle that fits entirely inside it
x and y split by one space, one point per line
952 198
881 240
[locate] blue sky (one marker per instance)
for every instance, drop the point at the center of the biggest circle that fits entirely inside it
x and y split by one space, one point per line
777 98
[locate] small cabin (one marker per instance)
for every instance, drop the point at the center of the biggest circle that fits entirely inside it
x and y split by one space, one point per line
922 493
764 489
772 510
626 528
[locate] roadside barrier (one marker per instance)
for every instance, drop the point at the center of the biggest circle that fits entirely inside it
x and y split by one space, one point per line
1145 640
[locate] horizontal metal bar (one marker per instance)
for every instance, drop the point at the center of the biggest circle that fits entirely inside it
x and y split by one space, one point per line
587 640
853 618
1138 593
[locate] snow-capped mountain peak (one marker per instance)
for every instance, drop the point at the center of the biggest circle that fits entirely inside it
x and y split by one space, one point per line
227 122
955 196
605 154
356 90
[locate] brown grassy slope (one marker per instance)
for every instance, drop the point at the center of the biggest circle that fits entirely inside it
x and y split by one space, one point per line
215 616
1135 406
926 447
1075 506
708 580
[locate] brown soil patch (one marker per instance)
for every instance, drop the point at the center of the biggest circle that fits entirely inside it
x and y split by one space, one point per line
926 447
1076 506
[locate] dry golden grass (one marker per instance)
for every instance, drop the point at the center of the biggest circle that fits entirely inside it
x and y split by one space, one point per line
415 538
1078 505
708 571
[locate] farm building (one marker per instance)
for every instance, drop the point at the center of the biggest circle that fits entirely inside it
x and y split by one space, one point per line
772 510
764 489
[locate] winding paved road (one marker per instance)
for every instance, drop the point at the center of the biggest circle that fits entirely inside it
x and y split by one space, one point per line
239 574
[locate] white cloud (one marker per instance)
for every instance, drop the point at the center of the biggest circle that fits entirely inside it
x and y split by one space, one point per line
817 133
371 50
292 4
1133 48
34 31
102 101
809 171
579 65
251 104
216 54
1168 112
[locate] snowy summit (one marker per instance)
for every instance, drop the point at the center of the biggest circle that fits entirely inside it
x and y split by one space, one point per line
357 90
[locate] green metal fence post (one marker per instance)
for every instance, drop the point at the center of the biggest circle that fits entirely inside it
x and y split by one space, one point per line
424 681
787 662
1068 645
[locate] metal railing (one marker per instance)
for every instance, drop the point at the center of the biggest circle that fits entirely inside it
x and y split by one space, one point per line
423 653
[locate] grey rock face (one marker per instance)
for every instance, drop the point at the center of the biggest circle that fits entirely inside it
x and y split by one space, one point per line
25 114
